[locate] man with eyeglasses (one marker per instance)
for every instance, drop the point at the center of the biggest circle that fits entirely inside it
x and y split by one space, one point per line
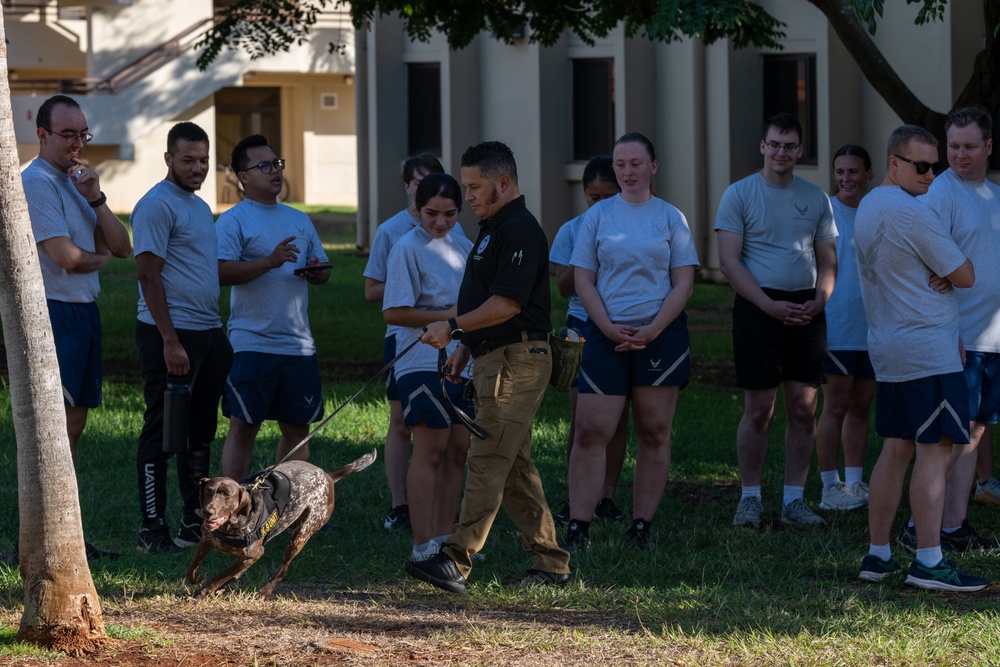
922 400
969 206
77 234
777 248
270 253
178 332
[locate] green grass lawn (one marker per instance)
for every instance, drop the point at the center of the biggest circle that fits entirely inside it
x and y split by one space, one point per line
710 593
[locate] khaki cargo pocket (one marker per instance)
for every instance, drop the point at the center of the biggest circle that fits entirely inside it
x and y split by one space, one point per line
492 379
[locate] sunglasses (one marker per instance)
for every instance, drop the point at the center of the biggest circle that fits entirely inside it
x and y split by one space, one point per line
923 167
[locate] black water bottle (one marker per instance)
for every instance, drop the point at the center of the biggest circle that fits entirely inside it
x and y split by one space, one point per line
176 414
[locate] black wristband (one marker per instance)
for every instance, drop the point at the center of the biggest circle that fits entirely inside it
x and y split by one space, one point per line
99 202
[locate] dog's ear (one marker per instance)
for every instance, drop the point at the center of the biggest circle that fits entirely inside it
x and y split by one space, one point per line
201 489
243 504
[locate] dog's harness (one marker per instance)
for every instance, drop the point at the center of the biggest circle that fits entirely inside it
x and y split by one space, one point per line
269 490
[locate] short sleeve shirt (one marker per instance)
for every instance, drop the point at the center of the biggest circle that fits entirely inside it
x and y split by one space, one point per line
846 324
561 253
779 225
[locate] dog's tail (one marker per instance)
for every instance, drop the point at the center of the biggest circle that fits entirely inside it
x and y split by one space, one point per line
360 464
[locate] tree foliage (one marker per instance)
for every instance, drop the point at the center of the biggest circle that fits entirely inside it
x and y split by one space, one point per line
268 26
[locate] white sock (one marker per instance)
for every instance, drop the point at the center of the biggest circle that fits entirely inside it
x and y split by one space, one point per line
751 492
853 475
424 551
793 493
440 539
930 557
951 530
830 478
882 551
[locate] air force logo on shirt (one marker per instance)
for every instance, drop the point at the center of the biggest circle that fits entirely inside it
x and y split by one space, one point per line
482 246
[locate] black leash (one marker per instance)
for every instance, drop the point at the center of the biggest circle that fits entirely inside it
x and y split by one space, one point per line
390 364
467 421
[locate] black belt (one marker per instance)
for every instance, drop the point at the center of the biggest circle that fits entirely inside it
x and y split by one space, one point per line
487 346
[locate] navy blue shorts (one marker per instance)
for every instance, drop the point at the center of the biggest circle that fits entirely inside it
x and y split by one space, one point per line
76 329
982 376
924 410
283 387
853 363
423 403
388 352
767 352
666 361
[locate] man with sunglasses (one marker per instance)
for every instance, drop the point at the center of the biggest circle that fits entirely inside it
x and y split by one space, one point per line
778 249
178 332
969 205
77 234
270 253
922 404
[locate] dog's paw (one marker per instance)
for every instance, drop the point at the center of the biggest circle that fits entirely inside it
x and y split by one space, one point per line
193 578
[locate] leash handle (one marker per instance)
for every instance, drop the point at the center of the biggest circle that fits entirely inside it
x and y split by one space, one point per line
390 364
467 421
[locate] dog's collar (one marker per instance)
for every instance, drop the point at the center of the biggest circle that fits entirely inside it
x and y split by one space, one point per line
269 493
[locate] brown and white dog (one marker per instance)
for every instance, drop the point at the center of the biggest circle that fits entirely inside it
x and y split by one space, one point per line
239 519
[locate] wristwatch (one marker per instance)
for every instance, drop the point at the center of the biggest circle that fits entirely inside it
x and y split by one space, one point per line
456 331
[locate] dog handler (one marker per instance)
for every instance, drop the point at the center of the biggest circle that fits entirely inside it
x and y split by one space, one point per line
503 321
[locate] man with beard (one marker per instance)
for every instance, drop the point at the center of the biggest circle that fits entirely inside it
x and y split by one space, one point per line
179 332
503 322
269 253
77 234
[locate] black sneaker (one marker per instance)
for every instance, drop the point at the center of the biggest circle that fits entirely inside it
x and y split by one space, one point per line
543 578
908 538
606 509
398 518
438 570
561 518
189 535
967 539
577 537
640 536
156 540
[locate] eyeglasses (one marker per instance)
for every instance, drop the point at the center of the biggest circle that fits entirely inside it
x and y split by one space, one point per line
269 167
923 167
775 147
85 137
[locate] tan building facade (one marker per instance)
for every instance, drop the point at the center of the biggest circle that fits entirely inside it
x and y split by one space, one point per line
131 65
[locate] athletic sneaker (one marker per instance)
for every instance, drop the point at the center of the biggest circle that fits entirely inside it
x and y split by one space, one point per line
188 536
838 497
561 518
543 578
606 509
748 512
967 539
398 518
577 539
988 492
875 569
440 571
945 576
156 540
640 536
859 489
797 514
908 538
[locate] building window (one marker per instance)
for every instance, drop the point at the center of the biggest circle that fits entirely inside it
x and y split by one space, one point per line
424 108
328 101
593 107
790 86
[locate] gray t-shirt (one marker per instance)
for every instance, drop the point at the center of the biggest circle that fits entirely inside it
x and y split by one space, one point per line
386 236
424 272
562 253
177 226
271 312
971 211
632 248
912 330
779 225
57 209
846 324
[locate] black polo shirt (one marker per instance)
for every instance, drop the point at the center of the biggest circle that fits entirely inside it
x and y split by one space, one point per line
509 259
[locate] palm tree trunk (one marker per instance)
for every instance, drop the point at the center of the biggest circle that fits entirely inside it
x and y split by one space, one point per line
61 607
